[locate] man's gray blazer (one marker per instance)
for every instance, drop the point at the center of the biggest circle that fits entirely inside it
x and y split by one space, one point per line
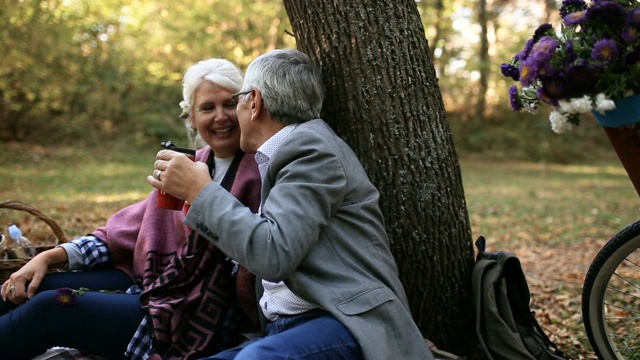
322 232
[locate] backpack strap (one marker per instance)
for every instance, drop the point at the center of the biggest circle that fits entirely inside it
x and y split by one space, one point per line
519 296
481 244
546 339
476 279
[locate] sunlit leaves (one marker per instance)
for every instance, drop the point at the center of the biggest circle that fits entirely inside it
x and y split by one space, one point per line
117 65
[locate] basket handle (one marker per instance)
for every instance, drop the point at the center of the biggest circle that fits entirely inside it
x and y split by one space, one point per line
17 205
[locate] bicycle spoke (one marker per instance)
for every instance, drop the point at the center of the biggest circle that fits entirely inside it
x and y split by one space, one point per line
625 279
622 292
621 307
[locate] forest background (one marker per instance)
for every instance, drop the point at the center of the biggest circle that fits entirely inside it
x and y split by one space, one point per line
91 72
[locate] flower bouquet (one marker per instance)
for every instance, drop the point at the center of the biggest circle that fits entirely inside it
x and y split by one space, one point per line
591 61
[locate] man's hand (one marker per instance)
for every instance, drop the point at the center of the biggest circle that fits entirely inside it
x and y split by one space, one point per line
175 174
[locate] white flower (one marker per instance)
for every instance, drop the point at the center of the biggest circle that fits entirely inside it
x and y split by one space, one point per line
186 109
559 122
582 105
575 105
566 106
603 103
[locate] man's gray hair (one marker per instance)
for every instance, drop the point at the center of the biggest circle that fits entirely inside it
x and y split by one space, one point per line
290 84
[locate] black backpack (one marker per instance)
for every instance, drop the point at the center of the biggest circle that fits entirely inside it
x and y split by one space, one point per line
505 325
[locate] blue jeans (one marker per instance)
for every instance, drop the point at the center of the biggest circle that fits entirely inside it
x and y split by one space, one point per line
311 336
98 323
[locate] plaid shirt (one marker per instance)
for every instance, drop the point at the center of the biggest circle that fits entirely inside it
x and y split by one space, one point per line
94 252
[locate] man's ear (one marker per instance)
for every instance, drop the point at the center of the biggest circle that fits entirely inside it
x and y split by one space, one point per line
256 106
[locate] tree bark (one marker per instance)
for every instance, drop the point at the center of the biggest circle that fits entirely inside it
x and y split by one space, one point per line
382 97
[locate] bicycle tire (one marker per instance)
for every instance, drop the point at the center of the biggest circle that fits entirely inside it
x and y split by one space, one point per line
611 297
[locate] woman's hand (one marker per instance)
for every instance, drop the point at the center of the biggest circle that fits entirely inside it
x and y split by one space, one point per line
176 174
23 284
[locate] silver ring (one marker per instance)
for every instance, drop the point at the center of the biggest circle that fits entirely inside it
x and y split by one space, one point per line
157 173
12 289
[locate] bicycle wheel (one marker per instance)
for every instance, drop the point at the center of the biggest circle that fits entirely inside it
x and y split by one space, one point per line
611 297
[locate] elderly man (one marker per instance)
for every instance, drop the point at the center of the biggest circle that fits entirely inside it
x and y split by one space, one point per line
318 242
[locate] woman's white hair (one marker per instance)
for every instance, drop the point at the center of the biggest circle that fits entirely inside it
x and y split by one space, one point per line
220 72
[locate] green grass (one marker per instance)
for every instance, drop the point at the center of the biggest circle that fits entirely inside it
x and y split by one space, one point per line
549 204
79 189
509 202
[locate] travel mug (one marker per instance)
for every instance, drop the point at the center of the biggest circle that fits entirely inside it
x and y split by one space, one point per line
166 201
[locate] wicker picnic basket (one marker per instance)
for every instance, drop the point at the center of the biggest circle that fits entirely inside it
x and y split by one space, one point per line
7 267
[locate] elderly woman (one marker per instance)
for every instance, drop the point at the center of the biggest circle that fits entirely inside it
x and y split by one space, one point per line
152 287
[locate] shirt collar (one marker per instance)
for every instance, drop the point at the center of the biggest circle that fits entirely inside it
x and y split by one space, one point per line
268 148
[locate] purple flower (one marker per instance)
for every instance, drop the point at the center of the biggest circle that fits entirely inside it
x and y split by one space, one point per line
605 50
511 71
528 72
597 51
569 6
570 53
524 54
575 18
606 12
547 71
552 90
546 98
633 17
630 34
513 98
544 49
542 30
65 297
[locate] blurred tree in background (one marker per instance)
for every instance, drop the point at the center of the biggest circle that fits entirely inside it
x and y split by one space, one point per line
91 71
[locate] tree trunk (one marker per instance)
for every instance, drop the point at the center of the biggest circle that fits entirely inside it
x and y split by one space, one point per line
382 97
483 81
